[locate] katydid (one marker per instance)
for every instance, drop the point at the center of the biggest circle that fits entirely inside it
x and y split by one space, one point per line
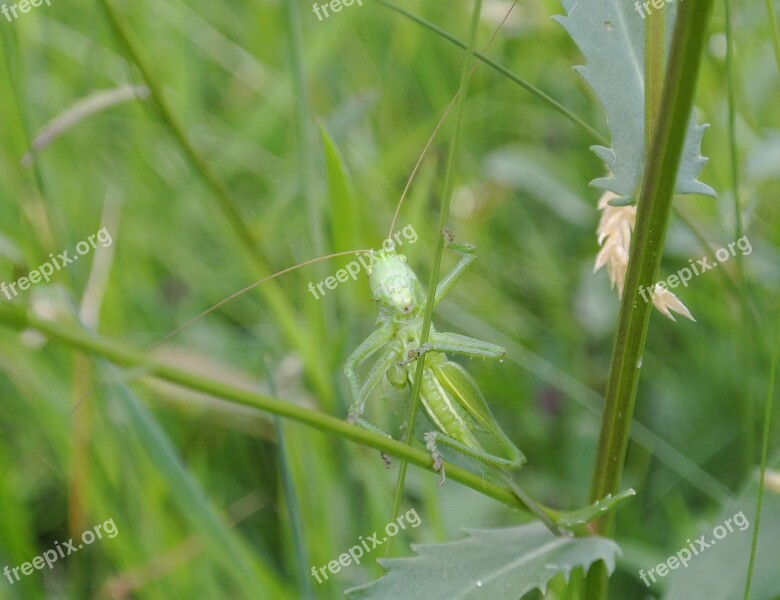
452 400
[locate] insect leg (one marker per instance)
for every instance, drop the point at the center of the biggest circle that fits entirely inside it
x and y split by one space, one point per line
378 370
479 454
454 343
366 424
461 386
468 254
438 465
365 350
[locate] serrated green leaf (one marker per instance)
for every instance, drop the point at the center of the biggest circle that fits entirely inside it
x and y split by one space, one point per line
610 35
583 516
494 564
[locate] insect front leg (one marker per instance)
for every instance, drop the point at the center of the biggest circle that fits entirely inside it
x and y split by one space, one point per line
375 375
372 344
468 254
453 343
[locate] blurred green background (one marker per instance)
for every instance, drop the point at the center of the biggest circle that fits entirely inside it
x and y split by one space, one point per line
254 85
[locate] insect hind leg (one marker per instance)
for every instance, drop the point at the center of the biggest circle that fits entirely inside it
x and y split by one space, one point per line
438 465
435 438
366 424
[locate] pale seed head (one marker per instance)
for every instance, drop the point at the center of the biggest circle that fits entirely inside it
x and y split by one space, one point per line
614 235
772 481
666 301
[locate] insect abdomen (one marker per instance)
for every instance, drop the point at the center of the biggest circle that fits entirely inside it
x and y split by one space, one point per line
442 412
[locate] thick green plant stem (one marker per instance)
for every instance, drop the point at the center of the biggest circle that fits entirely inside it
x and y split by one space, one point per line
655 43
653 209
81 339
443 215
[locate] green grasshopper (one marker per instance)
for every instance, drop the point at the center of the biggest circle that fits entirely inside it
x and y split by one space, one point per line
451 398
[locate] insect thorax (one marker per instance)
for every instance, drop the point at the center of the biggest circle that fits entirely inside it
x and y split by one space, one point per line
407 339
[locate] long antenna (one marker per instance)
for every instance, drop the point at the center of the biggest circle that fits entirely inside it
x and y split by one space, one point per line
251 286
228 299
440 123
337 254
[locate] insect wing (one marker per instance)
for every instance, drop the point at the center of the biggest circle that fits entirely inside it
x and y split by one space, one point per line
465 390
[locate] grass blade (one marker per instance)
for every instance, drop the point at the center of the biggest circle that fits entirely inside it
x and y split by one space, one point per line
188 495
764 454
443 215
228 207
82 109
554 104
19 319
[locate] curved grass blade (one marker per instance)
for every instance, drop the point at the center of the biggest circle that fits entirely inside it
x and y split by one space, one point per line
554 104
188 495
228 206
445 209
764 453
80 110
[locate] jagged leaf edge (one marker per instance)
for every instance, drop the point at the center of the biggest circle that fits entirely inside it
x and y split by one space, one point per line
692 161
609 559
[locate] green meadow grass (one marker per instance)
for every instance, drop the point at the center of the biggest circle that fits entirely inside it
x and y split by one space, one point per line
230 183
